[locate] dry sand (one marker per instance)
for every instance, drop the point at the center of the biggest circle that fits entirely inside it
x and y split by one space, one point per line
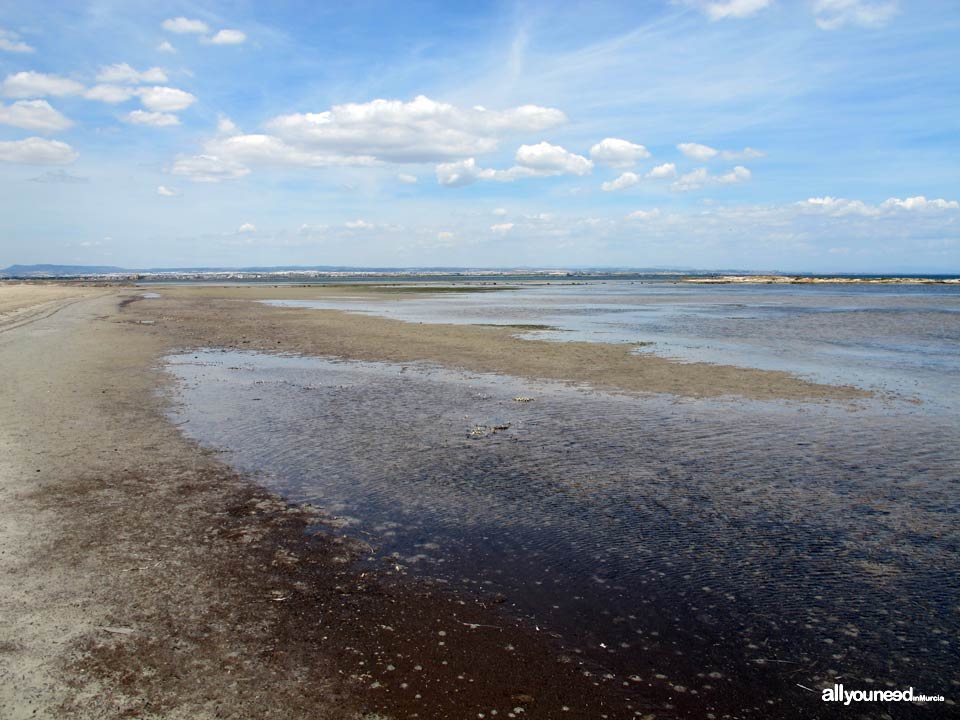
140 577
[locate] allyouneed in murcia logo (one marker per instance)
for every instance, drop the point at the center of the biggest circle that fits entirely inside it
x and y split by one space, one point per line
838 694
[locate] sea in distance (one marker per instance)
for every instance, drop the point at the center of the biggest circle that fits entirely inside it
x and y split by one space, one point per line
721 557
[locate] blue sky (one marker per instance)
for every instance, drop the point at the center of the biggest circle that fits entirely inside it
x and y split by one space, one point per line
818 135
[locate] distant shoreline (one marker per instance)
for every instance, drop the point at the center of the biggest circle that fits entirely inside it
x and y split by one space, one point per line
819 280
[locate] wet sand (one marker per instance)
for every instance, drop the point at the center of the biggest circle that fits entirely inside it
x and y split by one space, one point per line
142 577
229 317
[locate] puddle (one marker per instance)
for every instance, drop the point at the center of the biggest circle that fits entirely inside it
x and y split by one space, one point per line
703 552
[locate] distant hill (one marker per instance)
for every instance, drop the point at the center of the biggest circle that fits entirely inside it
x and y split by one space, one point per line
31 271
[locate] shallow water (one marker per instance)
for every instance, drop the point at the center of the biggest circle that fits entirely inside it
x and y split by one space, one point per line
898 338
710 554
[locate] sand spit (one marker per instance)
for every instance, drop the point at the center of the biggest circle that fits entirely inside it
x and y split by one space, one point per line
141 577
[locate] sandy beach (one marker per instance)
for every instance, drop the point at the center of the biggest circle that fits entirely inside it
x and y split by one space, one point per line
142 577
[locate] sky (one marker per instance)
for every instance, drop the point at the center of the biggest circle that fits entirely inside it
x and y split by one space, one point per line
791 135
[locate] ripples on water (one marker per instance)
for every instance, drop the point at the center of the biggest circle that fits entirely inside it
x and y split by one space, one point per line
710 554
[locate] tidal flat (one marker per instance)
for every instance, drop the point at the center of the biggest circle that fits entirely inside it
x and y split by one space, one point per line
415 515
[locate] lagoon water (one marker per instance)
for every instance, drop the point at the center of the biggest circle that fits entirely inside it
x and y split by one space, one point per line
899 338
712 555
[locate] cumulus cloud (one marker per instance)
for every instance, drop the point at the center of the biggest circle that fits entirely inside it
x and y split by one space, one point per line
37 151
547 159
502 227
724 9
33 115
835 14
185 25
644 214
167 191
618 153
696 151
229 37
738 174
165 99
154 119
393 131
920 203
499 212
123 74
540 160
422 130
11 42
208 168
663 172
627 179
247 228
841 207
407 179
703 153
31 84
700 177
166 47
110 93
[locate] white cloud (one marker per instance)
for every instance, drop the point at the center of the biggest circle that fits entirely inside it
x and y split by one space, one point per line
270 150
166 47
208 168
31 84
546 159
247 228
920 203
37 151
661 172
229 37
540 160
226 126
837 207
167 191
502 227
696 151
698 178
703 153
33 115
185 25
834 14
499 212
165 99
723 9
407 179
154 119
11 42
618 153
358 224
841 207
124 74
738 174
627 179
422 130
110 93
644 214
